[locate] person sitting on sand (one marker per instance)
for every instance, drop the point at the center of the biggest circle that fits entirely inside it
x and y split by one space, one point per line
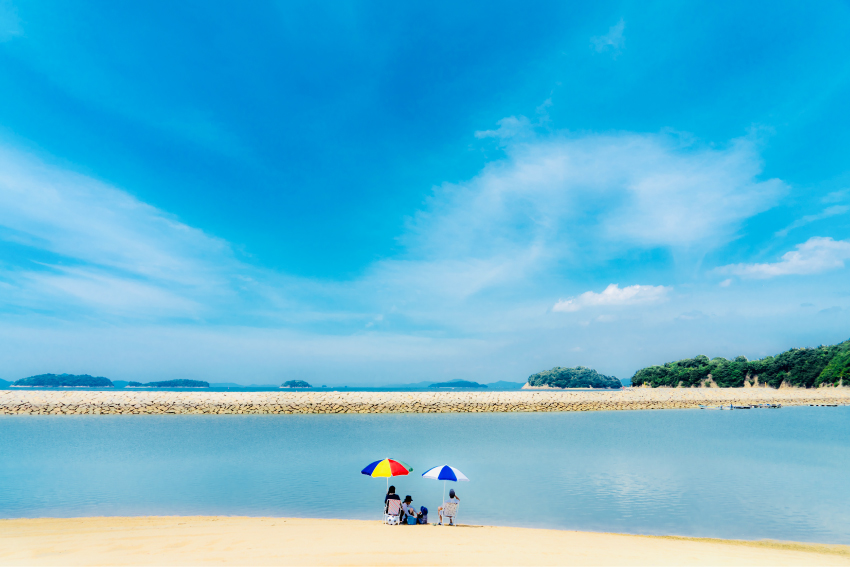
391 495
408 509
453 499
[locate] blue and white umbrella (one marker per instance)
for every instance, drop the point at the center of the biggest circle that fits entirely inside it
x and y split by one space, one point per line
444 473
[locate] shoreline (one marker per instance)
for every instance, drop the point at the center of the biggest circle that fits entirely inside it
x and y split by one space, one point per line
201 540
138 402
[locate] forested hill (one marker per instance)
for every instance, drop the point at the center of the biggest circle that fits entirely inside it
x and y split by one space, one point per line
63 381
799 367
578 377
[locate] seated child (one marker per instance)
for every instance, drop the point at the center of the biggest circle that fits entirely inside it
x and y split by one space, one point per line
408 510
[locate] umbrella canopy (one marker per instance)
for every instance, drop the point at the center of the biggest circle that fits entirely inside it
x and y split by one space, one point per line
445 472
387 468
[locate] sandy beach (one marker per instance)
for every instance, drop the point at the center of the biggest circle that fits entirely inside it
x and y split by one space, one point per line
292 541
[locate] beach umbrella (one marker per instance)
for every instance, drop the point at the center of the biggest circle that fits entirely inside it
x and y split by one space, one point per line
444 473
387 468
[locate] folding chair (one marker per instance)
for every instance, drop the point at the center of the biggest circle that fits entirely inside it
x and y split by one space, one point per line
449 512
392 513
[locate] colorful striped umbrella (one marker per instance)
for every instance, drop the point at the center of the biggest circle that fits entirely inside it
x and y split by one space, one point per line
387 468
444 473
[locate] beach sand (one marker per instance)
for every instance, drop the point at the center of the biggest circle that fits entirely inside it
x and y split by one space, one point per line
293 541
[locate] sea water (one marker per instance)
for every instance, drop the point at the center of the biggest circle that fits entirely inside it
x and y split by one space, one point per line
761 473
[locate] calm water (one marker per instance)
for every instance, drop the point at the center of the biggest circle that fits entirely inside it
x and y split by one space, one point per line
742 474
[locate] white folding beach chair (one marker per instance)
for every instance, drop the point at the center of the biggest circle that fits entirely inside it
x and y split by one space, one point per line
449 512
393 512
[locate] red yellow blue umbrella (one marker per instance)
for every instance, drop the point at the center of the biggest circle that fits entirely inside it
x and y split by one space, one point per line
387 468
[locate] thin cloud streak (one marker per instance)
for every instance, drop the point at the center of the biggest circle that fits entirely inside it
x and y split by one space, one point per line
613 295
611 41
110 250
816 255
808 219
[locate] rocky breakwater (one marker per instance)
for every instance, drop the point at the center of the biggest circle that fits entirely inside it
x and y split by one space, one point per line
42 402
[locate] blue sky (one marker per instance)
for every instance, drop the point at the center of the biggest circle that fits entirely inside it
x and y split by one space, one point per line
369 193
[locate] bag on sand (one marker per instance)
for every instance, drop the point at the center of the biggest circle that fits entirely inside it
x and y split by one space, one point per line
411 520
423 516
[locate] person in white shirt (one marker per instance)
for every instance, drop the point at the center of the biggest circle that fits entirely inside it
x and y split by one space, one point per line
452 499
408 508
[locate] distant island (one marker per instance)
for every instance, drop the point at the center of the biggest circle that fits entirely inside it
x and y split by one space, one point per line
798 367
63 381
577 377
457 384
295 384
171 384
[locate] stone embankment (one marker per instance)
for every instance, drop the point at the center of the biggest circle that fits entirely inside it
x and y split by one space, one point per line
43 402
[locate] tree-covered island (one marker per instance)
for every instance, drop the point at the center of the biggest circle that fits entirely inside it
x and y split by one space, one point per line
295 384
578 377
798 367
63 381
171 384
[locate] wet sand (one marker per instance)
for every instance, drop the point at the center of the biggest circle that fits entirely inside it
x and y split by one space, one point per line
289 541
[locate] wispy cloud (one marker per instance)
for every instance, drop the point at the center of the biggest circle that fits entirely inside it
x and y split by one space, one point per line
510 127
837 196
816 255
556 200
613 41
104 244
613 295
808 219
585 197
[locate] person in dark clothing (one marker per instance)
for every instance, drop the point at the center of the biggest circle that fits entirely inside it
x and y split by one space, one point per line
391 495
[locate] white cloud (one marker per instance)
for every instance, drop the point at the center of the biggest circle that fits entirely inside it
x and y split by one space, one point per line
587 198
836 196
114 294
105 247
611 41
509 127
825 214
816 255
613 295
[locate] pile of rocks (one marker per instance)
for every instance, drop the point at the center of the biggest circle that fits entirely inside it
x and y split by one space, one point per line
42 402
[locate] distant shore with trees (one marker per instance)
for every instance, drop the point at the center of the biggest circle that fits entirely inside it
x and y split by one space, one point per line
63 381
576 377
797 368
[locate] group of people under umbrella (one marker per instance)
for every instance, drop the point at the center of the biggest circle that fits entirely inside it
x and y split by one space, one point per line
397 511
